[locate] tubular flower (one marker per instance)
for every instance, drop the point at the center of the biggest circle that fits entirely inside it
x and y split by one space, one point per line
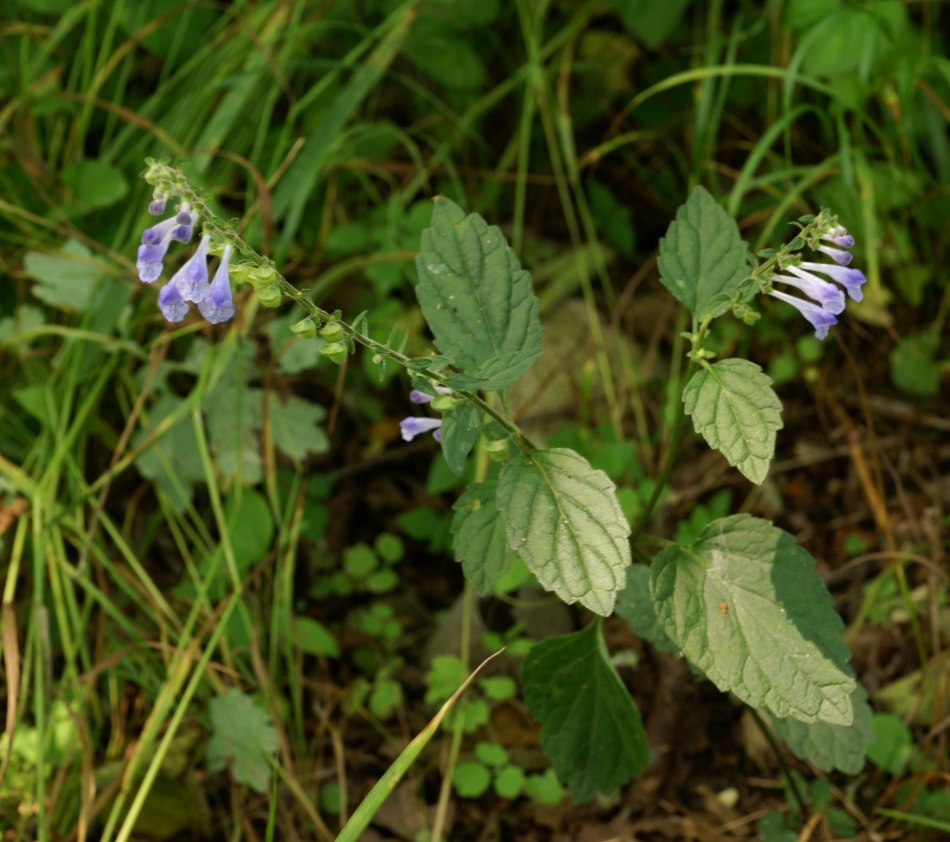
192 278
842 258
218 306
850 279
155 242
421 397
186 224
828 295
171 303
157 206
412 427
820 318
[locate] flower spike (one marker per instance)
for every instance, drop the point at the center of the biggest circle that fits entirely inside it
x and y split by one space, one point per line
218 306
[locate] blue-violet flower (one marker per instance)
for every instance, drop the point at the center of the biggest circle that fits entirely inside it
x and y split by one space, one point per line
412 427
820 318
218 306
155 242
828 295
192 278
171 303
842 258
850 279
421 397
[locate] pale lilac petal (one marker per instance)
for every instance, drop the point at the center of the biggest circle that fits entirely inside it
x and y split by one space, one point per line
842 258
826 294
192 278
218 306
157 206
171 303
415 396
819 317
845 240
412 427
850 279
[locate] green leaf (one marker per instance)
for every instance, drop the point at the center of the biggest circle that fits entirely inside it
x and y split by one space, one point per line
295 424
893 743
444 677
635 605
509 782
478 535
651 22
702 258
241 734
913 367
446 54
476 298
735 408
562 517
66 279
471 779
745 605
314 637
95 184
491 754
461 426
591 729
829 747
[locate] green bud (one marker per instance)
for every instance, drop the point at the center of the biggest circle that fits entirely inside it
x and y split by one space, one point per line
269 296
336 351
332 332
496 448
377 359
239 272
750 317
262 276
305 328
443 403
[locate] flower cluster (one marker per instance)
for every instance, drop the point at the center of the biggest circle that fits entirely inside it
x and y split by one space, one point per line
413 426
190 283
830 298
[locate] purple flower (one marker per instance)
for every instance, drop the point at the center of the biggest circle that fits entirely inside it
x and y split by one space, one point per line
820 318
842 258
218 307
192 278
828 295
171 303
850 279
157 206
186 224
412 427
843 240
155 242
421 397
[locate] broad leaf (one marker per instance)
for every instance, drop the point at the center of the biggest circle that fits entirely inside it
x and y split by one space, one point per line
460 428
478 534
295 426
635 605
243 736
745 605
65 279
651 22
591 729
736 410
476 298
702 258
562 517
829 747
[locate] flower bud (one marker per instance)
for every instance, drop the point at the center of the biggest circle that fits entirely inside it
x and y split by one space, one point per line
305 328
443 403
262 276
240 272
332 332
497 449
336 351
269 296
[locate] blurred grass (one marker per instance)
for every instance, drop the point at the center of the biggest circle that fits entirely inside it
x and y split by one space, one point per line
128 449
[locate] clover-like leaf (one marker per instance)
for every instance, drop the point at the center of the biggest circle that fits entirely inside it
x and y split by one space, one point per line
476 298
829 747
591 729
745 605
702 258
461 426
478 534
243 736
735 408
563 518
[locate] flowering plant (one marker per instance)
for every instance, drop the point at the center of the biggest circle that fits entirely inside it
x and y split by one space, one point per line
741 602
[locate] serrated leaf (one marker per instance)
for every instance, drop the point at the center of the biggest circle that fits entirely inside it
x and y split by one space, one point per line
65 279
476 298
635 605
562 517
829 747
478 534
591 729
243 736
461 426
735 408
744 604
295 426
702 258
